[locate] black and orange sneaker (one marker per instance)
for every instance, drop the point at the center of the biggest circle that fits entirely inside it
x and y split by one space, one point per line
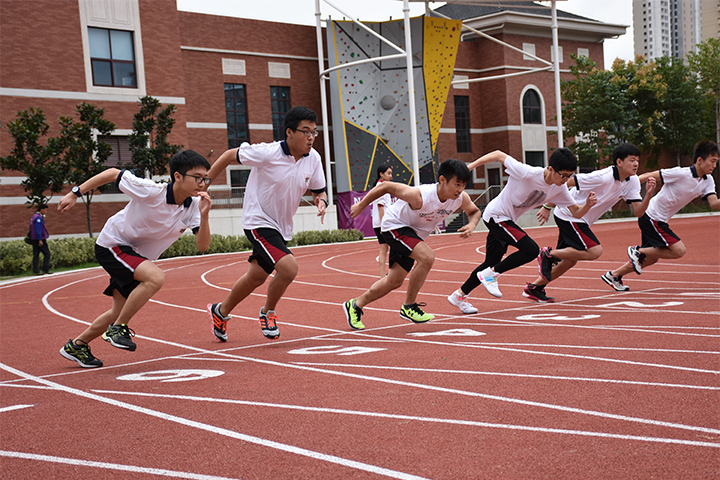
219 328
119 336
268 324
537 293
80 353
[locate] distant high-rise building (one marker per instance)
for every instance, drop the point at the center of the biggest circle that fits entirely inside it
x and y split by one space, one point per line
673 27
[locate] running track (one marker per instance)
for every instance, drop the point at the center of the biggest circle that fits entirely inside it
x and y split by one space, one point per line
598 385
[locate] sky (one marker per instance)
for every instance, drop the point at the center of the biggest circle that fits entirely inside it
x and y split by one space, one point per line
303 12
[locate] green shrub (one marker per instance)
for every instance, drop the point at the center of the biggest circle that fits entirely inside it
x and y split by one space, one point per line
16 255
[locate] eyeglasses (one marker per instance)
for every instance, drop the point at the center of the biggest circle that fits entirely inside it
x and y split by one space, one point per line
563 176
198 179
307 133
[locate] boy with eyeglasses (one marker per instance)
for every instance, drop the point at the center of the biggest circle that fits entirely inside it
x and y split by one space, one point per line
155 217
280 174
576 241
527 187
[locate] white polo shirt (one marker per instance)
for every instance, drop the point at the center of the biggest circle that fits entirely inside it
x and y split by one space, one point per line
525 189
608 189
680 186
152 221
423 220
276 184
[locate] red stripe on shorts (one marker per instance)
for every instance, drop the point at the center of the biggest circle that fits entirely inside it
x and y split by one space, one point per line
587 241
511 230
131 261
273 252
667 237
409 242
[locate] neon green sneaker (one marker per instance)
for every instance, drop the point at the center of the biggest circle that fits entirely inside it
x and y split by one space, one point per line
354 315
415 314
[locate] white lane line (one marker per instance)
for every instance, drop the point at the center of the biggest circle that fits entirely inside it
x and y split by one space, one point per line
218 430
110 466
592 347
449 421
14 407
505 374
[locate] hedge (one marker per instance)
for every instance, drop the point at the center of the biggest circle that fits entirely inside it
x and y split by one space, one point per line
16 255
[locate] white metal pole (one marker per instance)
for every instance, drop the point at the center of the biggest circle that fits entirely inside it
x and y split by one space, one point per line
411 94
556 66
323 104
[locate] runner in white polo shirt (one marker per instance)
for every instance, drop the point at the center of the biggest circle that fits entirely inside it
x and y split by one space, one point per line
407 223
281 173
680 185
158 213
527 187
576 241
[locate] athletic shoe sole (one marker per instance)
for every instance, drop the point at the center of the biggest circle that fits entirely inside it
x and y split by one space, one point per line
612 284
533 297
118 345
74 359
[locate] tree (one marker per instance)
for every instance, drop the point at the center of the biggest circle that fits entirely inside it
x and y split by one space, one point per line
149 147
683 119
706 65
655 105
29 156
82 156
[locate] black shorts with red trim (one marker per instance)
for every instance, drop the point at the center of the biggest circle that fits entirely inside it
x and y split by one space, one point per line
379 235
656 234
402 242
120 263
575 235
268 247
505 232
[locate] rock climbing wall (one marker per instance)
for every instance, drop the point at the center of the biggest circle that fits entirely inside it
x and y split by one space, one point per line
370 102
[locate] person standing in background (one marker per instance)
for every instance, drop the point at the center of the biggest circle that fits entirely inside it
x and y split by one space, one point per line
384 174
39 236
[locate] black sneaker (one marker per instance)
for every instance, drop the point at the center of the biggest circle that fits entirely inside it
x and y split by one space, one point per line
537 293
545 264
119 336
268 324
615 282
80 354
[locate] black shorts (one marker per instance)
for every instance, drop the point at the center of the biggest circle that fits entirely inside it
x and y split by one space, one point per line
576 235
120 263
379 235
268 247
402 242
656 234
505 232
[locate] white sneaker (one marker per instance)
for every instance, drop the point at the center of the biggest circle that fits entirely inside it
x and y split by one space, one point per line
636 258
459 300
488 278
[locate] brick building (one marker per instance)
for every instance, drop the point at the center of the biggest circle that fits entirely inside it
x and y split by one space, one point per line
232 79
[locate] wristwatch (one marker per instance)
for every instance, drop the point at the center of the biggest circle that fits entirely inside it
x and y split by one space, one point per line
76 191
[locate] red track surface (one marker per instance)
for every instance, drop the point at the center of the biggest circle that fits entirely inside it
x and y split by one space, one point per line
598 385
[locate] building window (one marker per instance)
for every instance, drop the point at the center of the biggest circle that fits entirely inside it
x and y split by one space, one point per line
119 158
279 105
462 124
536 159
112 56
528 48
236 115
531 108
